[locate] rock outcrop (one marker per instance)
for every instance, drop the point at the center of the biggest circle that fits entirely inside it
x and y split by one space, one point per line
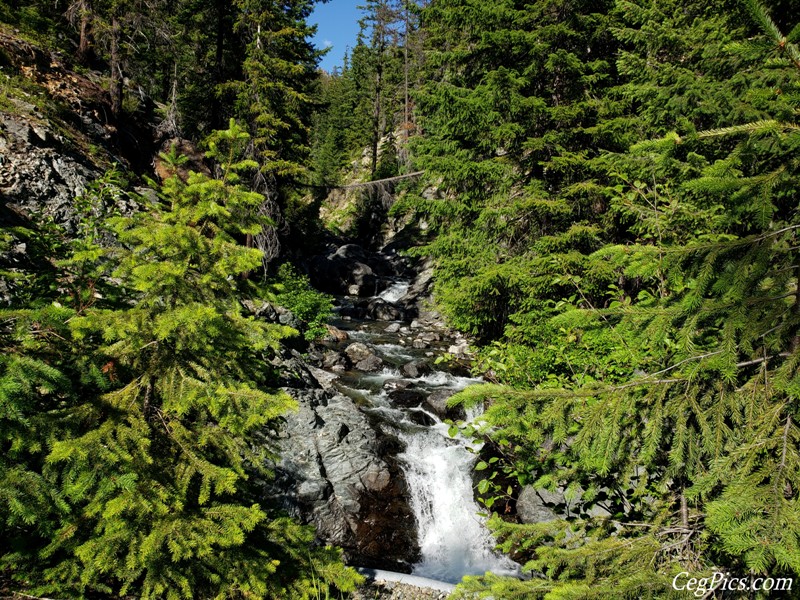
58 135
338 473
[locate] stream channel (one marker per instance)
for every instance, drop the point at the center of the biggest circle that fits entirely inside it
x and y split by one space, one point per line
406 398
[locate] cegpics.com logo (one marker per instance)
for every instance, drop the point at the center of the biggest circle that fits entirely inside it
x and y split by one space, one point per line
725 582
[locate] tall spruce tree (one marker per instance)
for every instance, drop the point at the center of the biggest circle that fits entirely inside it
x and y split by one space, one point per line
649 363
136 434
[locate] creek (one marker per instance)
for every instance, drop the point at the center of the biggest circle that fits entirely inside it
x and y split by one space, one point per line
405 399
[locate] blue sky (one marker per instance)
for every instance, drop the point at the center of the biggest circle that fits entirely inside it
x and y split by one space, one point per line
337 27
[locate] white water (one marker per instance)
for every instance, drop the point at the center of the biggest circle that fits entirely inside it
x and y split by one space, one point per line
444 380
395 291
453 539
394 351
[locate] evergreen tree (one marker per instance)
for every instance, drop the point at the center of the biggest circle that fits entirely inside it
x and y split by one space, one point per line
650 370
137 428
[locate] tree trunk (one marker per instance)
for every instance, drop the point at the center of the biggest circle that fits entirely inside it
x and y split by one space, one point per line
85 54
376 114
219 67
116 68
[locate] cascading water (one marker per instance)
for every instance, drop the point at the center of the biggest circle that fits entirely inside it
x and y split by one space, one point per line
395 291
452 536
453 539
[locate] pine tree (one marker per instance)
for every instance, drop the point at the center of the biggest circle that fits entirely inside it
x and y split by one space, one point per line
661 386
138 428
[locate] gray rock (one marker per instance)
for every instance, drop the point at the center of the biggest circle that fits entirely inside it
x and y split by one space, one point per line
334 360
333 475
286 317
371 363
334 334
323 378
396 384
263 310
537 506
408 397
430 336
460 349
416 368
358 351
393 328
381 310
437 402
349 269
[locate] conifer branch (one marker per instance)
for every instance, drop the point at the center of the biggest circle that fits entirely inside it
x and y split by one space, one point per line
753 127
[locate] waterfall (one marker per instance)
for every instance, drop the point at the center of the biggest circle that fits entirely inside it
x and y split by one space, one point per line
395 291
453 538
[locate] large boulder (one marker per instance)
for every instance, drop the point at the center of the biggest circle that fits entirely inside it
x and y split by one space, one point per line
416 368
381 310
540 505
350 270
407 398
338 473
358 351
436 402
369 364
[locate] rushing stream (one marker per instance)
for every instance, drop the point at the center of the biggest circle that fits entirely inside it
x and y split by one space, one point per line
453 539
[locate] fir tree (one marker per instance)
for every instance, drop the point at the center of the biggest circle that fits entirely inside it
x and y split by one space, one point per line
137 430
661 386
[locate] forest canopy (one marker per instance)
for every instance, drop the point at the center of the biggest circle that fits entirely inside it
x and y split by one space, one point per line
610 205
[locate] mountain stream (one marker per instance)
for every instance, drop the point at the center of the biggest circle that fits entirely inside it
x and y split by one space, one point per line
404 401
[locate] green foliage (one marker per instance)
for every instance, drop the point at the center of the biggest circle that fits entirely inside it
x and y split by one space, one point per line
313 308
618 229
135 427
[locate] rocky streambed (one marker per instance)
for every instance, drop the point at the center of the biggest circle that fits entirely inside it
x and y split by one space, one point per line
367 457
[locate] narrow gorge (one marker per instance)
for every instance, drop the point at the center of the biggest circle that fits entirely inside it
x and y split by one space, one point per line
368 458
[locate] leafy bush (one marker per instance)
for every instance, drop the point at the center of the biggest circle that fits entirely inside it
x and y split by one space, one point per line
312 307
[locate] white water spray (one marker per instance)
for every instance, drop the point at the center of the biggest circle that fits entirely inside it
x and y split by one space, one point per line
395 291
453 539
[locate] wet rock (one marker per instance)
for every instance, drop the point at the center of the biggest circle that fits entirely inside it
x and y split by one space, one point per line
420 287
358 352
420 344
396 384
377 262
393 328
416 368
371 363
381 310
353 311
333 474
421 418
350 269
437 403
407 398
335 361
